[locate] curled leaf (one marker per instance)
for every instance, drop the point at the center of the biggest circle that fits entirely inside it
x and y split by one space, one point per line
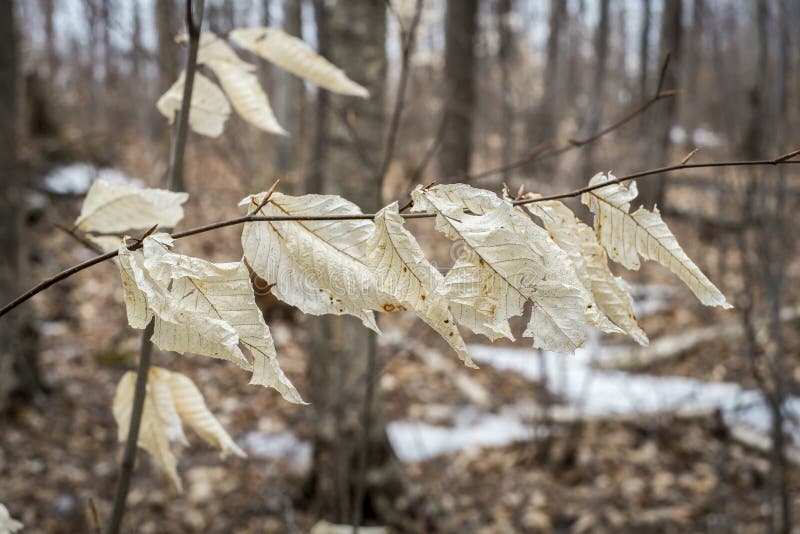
626 236
320 267
297 57
210 109
171 399
200 307
402 270
506 263
591 265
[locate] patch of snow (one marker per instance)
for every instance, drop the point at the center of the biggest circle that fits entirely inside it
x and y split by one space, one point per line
279 445
77 178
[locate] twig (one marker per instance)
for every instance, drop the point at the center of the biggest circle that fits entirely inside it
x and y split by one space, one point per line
175 181
267 196
433 149
367 216
129 456
548 149
80 239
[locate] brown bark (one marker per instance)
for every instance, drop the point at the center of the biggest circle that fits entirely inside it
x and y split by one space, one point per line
597 92
652 191
550 106
505 55
289 93
459 93
19 373
644 51
166 29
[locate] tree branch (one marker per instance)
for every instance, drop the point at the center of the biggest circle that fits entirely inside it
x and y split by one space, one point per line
175 182
368 216
548 150
131 444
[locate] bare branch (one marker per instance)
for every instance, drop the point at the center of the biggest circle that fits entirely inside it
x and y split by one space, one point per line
368 216
549 149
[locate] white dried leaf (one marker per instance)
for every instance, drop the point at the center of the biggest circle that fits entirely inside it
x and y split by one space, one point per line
320 267
402 270
190 405
626 236
209 111
212 47
246 95
8 525
152 432
239 81
171 399
297 57
506 264
200 307
591 264
110 207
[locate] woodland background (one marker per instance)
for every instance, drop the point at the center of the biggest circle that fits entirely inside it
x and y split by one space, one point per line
489 83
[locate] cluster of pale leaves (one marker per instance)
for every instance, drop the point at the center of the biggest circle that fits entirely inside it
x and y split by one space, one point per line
211 106
557 267
8 525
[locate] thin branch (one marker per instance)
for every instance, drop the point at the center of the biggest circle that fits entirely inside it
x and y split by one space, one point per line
549 150
175 182
129 456
368 216
433 149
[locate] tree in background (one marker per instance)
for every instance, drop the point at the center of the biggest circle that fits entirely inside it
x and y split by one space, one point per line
341 349
19 373
459 93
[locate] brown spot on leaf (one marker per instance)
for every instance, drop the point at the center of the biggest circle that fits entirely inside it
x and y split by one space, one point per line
388 307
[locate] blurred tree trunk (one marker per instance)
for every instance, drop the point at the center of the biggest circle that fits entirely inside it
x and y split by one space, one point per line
505 55
550 106
459 94
598 88
651 191
341 347
48 9
165 15
689 97
137 49
644 52
19 372
109 74
313 178
289 94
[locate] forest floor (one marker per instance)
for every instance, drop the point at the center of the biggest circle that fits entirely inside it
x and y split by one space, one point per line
59 457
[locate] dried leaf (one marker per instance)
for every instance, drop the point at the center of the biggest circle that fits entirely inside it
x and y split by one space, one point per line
210 109
190 405
401 270
297 57
110 207
200 307
152 432
626 236
506 264
8 525
240 83
591 264
320 267
171 399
